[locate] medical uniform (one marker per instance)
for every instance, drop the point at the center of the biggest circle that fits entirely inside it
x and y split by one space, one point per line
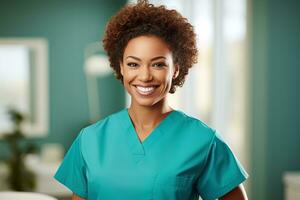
181 159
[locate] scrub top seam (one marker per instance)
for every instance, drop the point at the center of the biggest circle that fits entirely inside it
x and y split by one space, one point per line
206 155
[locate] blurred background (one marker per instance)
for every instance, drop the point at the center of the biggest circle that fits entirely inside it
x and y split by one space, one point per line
55 79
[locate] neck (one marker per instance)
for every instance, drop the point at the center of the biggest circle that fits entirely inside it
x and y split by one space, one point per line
147 117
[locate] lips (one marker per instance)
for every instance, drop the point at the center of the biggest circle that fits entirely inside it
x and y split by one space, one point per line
146 90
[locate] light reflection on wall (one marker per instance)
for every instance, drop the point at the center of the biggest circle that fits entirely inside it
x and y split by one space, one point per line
236 64
14 82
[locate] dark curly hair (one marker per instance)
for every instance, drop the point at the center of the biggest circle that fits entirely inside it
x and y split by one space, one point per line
144 18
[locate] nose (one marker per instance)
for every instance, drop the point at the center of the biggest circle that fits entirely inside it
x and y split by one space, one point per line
145 73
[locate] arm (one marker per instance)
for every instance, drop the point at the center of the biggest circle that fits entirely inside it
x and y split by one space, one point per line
75 197
237 193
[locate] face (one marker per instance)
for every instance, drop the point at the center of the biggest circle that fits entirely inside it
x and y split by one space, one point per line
147 68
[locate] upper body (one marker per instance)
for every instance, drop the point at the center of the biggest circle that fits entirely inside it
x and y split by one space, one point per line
177 161
150 150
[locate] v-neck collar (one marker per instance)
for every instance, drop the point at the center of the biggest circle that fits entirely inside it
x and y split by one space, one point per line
138 147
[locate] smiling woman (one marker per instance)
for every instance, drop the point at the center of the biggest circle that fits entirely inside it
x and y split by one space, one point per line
148 70
150 150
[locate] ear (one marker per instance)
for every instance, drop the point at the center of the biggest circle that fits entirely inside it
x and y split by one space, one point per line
121 68
176 71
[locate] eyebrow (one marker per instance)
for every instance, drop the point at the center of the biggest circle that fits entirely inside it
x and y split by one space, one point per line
155 58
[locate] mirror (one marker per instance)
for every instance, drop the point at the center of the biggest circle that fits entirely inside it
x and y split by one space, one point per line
24 84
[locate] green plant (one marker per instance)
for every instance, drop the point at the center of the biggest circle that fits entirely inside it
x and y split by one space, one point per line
19 178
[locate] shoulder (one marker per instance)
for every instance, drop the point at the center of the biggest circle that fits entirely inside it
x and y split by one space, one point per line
193 121
101 126
201 131
194 126
92 137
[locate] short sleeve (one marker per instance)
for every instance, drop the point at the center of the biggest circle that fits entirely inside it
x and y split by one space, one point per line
72 170
221 173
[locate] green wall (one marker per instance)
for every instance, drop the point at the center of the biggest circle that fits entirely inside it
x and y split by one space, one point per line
69 25
276 67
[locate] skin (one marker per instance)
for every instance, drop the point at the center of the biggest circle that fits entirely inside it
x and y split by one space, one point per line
148 62
75 197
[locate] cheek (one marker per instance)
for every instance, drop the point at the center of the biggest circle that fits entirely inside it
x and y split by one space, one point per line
166 77
127 77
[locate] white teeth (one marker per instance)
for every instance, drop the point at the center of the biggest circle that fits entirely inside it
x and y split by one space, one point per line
145 90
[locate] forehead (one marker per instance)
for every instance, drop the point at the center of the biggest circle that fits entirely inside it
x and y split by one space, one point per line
147 46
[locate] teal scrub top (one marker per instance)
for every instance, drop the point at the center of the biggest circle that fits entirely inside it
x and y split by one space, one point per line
181 159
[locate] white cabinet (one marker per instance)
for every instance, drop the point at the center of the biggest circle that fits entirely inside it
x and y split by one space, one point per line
292 185
46 184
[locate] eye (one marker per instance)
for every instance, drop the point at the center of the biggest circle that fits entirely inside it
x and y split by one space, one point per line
131 64
159 65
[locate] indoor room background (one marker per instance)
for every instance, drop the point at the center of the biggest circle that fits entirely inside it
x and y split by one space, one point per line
55 78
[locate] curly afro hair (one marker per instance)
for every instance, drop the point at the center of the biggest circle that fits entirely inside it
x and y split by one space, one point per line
143 19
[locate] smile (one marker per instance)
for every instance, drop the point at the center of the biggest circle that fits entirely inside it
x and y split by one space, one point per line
145 90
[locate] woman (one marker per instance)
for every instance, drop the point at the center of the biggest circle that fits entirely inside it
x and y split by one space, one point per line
150 151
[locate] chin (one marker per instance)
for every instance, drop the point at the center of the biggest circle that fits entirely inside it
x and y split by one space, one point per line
145 102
